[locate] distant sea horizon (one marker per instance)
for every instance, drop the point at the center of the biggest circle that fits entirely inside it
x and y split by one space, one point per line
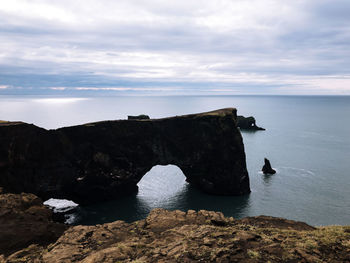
306 139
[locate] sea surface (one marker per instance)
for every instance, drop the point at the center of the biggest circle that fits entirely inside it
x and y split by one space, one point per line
307 140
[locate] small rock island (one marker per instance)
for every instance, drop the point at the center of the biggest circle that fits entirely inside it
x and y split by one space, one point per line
267 169
103 160
248 123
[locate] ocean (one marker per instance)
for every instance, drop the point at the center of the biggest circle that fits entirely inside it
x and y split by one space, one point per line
307 140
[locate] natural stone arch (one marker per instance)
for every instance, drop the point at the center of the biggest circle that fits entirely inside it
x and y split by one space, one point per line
105 159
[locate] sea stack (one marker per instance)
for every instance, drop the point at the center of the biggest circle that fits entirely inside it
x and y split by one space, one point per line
248 123
267 169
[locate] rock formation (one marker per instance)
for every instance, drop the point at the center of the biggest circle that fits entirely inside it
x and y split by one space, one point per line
248 123
203 236
105 159
24 220
139 117
267 169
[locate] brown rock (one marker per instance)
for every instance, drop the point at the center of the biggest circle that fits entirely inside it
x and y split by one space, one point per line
274 222
24 220
175 236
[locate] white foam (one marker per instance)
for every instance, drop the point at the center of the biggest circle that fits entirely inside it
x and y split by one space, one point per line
60 205
261 172
70 219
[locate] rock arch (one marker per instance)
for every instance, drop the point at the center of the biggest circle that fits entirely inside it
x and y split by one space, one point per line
105 159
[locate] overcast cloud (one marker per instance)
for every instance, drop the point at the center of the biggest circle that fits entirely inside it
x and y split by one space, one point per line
175 47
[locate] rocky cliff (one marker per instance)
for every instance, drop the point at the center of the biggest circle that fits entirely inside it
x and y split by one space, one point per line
105 159
24 221
248 123
176 236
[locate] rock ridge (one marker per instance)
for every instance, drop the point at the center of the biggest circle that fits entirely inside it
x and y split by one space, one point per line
102 160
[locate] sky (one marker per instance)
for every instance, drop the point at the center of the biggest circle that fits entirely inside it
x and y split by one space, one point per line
158 47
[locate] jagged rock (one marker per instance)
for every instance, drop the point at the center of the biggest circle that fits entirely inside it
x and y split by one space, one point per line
103 160
176 236
267 169
275 222
25 220
247 123
138 117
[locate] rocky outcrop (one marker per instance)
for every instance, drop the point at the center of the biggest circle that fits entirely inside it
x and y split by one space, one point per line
248 123
24 220
267 169
139 117
102 160
204 236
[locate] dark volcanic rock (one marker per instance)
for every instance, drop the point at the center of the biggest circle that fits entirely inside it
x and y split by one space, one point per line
267 169
102 160
24 220
247 123
138 117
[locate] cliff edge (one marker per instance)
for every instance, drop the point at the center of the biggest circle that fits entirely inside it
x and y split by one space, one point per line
176 236
105 159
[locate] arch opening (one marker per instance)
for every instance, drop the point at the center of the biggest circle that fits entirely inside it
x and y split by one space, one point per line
162 187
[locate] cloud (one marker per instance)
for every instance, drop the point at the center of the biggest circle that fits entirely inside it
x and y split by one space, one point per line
262 47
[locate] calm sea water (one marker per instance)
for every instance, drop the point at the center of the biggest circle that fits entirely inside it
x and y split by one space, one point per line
306 139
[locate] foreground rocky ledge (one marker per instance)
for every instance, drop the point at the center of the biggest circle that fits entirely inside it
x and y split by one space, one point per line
176 236
102 160
24 221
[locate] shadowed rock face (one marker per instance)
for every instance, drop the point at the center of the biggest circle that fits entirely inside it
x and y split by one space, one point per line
139 117
248 123
267 169
105 159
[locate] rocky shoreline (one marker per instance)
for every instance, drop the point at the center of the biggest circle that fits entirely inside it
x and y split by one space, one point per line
28 234
105 159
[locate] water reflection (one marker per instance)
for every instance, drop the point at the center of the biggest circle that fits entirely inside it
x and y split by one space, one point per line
192 198
267 179
252 132
52 101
